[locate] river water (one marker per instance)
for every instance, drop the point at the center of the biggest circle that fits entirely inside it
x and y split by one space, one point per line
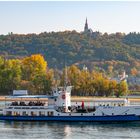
68 130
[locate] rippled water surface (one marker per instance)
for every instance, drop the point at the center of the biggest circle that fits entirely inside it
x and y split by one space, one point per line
68 130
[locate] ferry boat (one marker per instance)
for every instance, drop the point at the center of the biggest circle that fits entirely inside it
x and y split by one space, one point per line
59 108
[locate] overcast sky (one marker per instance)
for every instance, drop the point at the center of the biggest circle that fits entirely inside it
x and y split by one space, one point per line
36 17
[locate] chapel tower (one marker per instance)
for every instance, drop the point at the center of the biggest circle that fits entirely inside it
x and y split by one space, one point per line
86 27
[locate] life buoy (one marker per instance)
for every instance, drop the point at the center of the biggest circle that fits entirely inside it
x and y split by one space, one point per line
63 96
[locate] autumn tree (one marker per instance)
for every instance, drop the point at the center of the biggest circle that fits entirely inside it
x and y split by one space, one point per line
112 88
134 71
74 78
110 70
32 66
122 89
84 82
34 69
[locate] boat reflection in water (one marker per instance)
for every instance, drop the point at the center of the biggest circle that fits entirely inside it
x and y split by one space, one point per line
68 130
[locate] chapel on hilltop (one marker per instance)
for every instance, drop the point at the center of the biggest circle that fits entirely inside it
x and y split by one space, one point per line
86 29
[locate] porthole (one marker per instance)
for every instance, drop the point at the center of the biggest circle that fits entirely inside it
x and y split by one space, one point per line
69 114
58 114
125 113
112 113
93 114
81 114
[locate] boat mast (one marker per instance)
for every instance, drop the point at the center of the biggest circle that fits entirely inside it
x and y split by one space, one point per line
65 76
56 78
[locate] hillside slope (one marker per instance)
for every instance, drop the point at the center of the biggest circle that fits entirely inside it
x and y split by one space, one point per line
94 50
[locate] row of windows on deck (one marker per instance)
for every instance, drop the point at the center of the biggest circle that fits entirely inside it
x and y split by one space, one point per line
32 113
49 113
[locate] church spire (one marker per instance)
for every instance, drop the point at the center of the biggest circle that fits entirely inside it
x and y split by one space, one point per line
86 20
86 26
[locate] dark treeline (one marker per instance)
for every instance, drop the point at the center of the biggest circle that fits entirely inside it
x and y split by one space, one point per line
95 50
32 73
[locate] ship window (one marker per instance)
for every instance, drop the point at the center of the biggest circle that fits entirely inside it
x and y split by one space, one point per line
41 113
10 107
33 113
81 114
58 114
17 107
24 113
125 113
93 114
9 113
69 114
112 113
16 114
50 113
102 114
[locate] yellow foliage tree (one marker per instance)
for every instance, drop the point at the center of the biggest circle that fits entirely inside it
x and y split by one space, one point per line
74 78
134 71
85 82
112 87
33 65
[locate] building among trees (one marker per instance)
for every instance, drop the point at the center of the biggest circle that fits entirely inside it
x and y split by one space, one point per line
90 32
86 29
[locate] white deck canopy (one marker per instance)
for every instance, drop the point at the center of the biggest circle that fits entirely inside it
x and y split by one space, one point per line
32 96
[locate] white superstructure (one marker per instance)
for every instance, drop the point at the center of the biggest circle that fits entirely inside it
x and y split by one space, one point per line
59 107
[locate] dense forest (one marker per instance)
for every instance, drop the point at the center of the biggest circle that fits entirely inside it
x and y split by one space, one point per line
97 51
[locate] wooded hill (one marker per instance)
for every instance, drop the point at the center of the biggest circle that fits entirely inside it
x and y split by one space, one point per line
98 51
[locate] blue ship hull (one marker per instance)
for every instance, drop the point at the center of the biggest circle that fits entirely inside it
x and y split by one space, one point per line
73 118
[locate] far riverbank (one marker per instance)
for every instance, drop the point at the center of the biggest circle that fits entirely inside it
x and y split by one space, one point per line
73 99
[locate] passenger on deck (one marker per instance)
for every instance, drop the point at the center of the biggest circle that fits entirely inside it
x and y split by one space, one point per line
38 103
14 103
82 105
22 104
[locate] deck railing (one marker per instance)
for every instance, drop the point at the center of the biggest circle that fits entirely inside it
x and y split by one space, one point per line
29 107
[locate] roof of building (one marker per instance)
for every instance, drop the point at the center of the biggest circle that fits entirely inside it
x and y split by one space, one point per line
32 96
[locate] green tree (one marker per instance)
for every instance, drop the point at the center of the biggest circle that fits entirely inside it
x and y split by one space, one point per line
122 89
42 84
10 75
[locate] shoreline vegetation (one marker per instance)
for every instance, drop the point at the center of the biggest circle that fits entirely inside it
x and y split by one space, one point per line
31 73
73 99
